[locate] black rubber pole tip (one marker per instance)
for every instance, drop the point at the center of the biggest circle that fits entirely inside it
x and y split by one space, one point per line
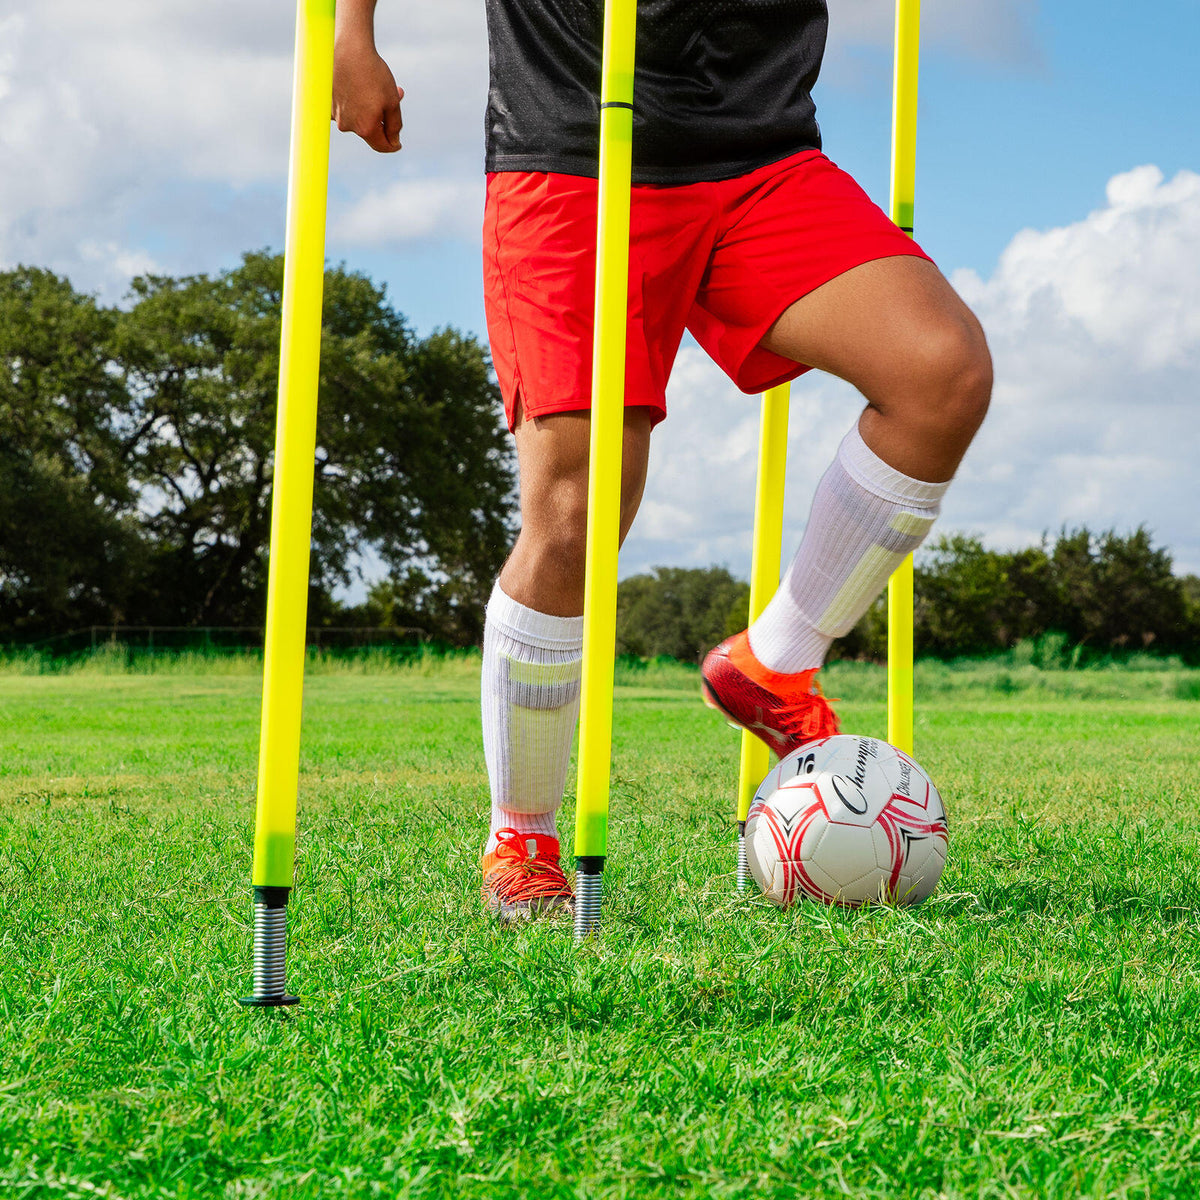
268 1001
271 897
590 864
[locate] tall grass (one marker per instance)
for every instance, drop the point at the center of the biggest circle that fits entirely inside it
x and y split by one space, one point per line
991 678
115 658
1029 670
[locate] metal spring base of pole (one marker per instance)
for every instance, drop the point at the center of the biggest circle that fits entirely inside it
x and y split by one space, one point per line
270 949
588 889
743 867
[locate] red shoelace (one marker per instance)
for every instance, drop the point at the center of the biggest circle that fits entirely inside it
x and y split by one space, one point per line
524 879
809 718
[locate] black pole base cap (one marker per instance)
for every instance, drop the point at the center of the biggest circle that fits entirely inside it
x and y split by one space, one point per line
590 864
271 897
268 1001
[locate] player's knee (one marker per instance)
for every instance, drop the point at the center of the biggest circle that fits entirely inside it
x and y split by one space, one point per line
971 387
955 368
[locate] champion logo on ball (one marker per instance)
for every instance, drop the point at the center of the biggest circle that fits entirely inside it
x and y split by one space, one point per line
866 749
850 793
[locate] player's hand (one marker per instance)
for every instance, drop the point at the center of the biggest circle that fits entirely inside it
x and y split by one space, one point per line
366 99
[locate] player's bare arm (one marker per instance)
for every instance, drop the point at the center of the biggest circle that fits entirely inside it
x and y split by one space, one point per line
366 99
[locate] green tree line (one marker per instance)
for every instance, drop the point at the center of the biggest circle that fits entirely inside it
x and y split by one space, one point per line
1092 593
136 455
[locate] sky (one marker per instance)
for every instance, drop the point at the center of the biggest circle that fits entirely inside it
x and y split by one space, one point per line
1058 187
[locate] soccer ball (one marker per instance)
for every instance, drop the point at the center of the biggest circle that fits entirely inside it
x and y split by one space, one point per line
849 821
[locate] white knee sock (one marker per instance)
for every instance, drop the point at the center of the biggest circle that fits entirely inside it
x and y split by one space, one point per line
532 663
866 517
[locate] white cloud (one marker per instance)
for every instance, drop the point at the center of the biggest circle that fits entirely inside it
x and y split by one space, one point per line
139 122
1095 331
120 260
413 209
1095 328
109 115
1116 282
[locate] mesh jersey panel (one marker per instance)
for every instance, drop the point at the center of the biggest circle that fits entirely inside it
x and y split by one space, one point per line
720 87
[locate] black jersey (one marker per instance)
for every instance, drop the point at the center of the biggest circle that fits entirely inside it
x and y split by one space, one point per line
721 87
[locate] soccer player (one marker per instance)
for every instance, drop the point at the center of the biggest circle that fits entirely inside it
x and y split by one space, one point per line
742 232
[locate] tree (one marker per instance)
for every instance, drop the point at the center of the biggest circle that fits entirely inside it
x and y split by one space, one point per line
68 540
411 460
139 446
1032 604
1189 639
1107 591
1117 591
680 612
961 594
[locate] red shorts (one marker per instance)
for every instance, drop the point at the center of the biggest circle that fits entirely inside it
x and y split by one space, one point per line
723 260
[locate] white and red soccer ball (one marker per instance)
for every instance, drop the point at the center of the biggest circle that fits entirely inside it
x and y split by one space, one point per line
849 821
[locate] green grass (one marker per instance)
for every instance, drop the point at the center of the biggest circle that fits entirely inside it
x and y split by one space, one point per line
1031 1031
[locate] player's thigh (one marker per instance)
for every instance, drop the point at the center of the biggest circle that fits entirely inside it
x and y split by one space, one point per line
553 457
893 327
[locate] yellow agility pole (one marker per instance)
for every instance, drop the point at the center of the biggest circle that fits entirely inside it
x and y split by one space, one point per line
604 477
903 202
291 504
764 579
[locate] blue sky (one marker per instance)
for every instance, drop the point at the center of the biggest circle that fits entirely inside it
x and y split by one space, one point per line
140 136
1014 144
1023 132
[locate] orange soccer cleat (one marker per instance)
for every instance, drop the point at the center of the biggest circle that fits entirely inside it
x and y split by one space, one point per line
522 878
784 710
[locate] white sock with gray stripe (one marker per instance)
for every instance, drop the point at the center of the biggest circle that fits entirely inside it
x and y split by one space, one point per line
866 517
532 664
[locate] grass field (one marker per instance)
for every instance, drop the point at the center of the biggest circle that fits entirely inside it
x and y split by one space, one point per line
1034 1030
